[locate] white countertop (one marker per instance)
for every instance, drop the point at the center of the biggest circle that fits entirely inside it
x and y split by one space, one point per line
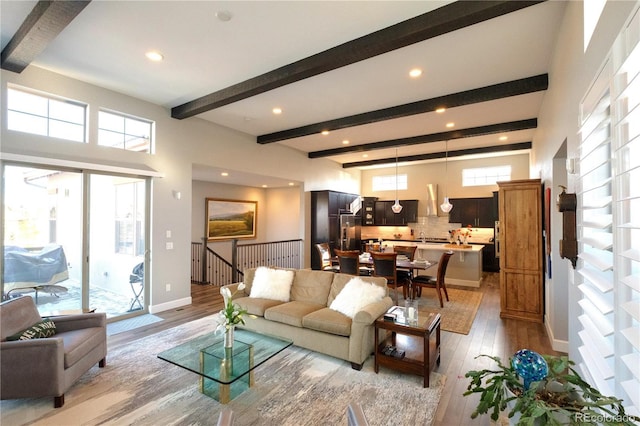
434 246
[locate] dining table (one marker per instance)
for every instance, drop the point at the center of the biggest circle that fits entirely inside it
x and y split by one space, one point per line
402 262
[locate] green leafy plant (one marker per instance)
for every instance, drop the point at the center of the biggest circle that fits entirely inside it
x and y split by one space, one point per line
563 397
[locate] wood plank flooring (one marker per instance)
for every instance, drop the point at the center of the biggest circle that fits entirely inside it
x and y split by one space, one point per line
489 335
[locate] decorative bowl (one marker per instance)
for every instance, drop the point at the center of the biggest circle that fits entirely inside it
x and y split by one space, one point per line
397 236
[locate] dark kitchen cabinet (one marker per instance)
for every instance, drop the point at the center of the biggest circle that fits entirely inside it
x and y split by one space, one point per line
384 216
325 211
477 212
368 210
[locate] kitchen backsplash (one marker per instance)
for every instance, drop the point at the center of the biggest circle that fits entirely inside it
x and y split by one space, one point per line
432 226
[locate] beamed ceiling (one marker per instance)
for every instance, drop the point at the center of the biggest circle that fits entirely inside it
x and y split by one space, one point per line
337 66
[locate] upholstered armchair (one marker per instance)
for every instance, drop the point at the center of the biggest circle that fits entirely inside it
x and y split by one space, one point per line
47 366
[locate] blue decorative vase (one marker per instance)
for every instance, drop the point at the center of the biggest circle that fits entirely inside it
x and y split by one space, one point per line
530 366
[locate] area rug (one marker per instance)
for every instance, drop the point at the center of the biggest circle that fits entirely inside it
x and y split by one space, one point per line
296 387
458 313
131 323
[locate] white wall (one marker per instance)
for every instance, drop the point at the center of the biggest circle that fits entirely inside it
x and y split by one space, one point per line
572 71
179 145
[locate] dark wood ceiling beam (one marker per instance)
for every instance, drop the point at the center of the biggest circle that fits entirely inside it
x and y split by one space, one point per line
483 94
436 155
510 126
41 27
445 19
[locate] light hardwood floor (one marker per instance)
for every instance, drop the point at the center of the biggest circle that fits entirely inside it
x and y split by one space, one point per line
489 335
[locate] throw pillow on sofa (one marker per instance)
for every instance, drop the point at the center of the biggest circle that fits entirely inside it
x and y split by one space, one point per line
355 295
45 328
273 284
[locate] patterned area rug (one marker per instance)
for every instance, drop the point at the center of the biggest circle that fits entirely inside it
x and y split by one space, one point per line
296 387
458 313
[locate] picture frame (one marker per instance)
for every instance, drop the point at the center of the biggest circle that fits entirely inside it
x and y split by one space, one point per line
230 219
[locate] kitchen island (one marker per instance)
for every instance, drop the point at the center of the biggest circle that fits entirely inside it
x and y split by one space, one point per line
465 266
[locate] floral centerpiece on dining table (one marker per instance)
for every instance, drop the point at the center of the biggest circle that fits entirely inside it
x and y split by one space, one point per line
230 316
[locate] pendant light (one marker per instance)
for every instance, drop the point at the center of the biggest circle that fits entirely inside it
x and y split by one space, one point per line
446 206
396 208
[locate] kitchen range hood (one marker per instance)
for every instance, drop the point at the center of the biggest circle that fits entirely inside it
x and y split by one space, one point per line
432 199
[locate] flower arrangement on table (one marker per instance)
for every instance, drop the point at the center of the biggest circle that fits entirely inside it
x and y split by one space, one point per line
232 314
460 236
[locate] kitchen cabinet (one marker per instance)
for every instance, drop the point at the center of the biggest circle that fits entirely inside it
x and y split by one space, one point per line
521 250
325 212
477 212
368 210
384 216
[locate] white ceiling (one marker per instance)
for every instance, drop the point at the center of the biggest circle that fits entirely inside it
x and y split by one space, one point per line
105 45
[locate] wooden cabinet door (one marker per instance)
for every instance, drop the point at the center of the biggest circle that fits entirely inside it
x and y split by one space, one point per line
520 229
521 281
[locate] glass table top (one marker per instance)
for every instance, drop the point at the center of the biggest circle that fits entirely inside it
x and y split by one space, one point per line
206 355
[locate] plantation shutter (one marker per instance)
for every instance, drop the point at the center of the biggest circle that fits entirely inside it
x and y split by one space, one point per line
608 187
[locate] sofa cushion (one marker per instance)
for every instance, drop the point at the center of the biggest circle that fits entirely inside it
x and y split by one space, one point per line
340 280
291 313
78 343
311 286
272 284
256 306
17 314
42 329
355 295
328 321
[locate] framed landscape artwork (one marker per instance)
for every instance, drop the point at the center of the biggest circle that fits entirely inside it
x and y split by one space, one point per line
230 219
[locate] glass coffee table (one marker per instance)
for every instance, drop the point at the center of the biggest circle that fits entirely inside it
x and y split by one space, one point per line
225 372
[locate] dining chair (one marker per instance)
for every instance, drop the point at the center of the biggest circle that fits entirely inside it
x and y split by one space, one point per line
434 282
410 253
325 257
348 261
384 265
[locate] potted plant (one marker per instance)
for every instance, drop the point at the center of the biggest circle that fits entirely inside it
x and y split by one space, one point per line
542 389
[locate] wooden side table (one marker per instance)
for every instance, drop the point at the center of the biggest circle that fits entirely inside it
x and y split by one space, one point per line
428 328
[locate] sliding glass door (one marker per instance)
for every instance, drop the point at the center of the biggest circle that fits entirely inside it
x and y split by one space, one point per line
74 240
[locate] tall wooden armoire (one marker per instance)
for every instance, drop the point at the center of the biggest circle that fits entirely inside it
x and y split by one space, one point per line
521 250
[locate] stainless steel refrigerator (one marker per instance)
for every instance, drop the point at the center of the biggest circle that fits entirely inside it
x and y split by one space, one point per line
349 238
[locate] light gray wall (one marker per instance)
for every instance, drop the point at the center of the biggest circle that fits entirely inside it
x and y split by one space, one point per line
572 72
179 144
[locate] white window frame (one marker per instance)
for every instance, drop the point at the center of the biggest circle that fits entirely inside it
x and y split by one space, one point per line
50 120
388 182
125 136
484 176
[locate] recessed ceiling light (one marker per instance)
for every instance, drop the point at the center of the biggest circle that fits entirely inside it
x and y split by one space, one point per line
224 174
223 15
415 73
264 186
451 124
291 183
345 142
441 110
325 132
277 110
365 155
154 55
503 138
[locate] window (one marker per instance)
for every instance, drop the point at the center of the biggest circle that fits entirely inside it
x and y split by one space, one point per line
608 271
485 175
388 182
45 115
129 231
124 132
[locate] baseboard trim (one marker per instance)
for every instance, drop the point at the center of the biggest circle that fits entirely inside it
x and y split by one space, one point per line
557 345
154 309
